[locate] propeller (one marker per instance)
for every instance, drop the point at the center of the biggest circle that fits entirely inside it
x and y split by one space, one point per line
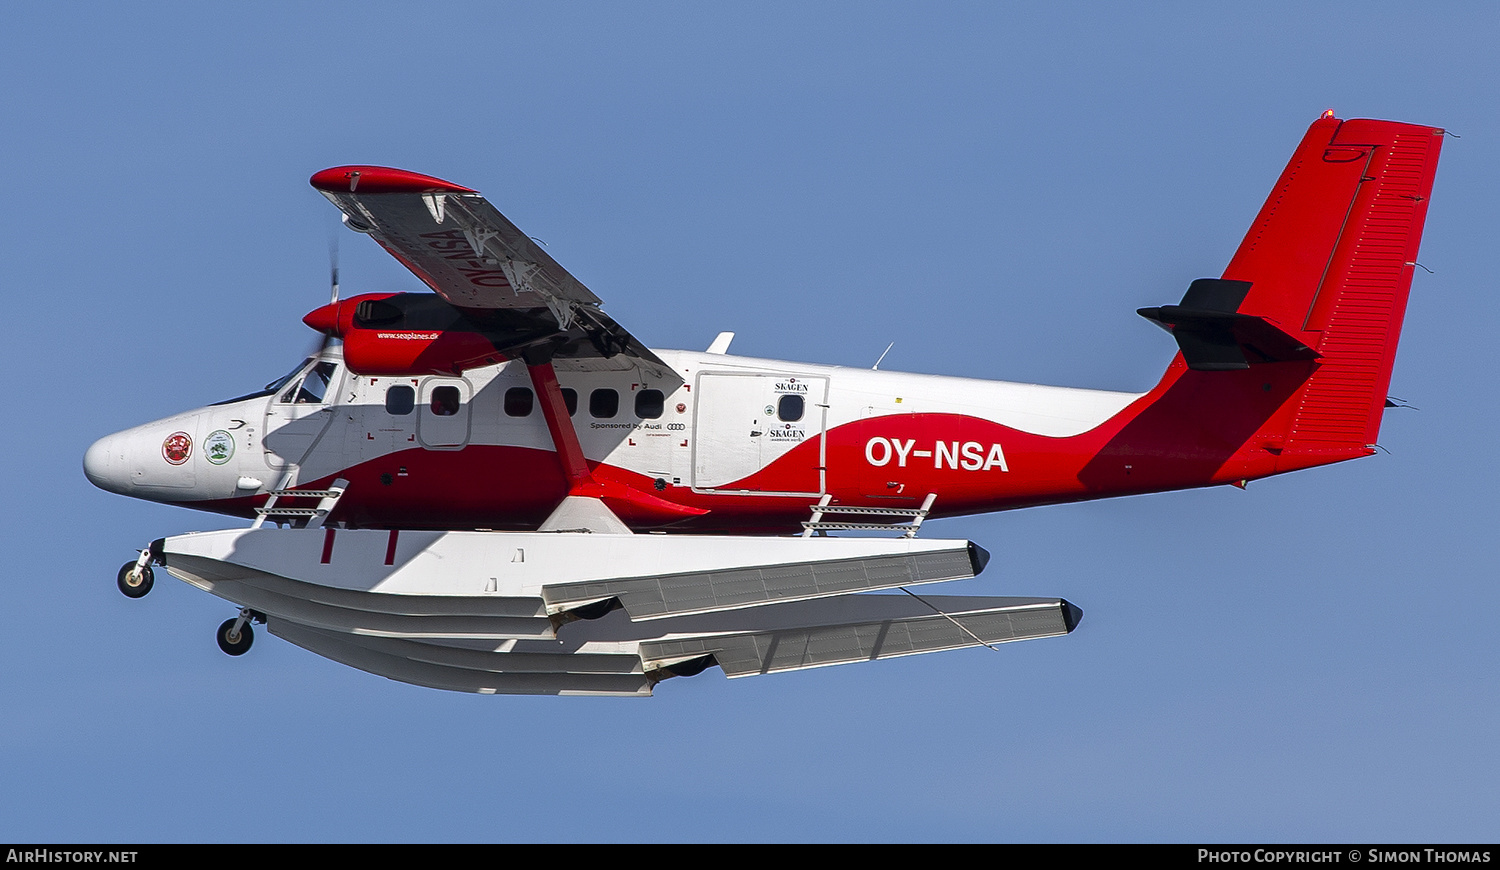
333 267
320 344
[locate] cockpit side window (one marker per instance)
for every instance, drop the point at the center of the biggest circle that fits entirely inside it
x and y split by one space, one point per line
313 387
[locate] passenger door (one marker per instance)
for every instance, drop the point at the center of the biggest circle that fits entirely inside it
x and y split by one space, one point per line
745 423
443 413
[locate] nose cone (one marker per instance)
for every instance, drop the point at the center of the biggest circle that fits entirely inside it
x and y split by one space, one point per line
324 319
104 465
157 461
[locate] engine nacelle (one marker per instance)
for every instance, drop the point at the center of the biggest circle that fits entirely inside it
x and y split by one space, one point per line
421 333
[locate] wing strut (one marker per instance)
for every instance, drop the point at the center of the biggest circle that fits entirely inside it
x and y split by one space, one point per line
564 438
591 504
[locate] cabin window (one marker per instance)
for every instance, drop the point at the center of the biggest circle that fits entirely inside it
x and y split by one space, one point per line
790 408
570 398
400 400
604 404
648 404
445 401
518 402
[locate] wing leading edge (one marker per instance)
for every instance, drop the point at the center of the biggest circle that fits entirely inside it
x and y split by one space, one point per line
478 261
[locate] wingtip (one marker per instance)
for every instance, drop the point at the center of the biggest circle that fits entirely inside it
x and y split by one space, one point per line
1072 614
381 179
978 558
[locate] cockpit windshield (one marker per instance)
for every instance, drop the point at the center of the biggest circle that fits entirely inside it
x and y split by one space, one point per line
271 388
313 388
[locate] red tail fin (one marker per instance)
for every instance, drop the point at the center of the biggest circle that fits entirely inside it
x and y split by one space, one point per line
1330 260
1286 359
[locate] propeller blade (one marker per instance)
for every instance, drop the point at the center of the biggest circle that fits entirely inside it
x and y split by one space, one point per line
333 267
319 345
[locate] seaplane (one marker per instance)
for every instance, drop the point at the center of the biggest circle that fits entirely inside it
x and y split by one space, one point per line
494 487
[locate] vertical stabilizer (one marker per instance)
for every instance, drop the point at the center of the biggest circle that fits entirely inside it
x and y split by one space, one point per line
1329 260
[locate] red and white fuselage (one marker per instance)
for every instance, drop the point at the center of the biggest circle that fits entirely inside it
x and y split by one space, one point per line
752 442
1284 364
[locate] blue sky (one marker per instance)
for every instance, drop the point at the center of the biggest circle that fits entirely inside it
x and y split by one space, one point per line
994 187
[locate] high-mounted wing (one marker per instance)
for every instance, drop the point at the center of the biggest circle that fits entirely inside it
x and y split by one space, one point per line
471 255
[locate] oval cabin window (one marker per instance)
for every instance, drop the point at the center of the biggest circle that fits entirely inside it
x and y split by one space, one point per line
790 408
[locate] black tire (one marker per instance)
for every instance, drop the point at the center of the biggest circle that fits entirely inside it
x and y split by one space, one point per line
240 645
134 588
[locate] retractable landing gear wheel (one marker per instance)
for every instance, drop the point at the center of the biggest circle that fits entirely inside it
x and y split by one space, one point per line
134 585
232 642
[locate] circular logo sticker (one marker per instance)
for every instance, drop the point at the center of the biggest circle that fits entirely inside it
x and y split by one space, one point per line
218 447
177 448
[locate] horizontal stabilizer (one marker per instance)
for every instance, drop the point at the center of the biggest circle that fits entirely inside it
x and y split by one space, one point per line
1214 337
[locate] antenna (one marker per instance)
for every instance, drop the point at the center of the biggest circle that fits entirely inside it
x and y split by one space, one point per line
876 366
